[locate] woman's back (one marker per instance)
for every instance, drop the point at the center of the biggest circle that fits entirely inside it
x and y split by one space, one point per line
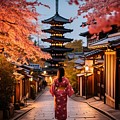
60 89
63 83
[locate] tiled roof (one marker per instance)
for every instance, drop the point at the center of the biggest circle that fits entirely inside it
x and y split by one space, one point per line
79 61
104 42
54 49
93 52
59 29
56 18
59 39
84 34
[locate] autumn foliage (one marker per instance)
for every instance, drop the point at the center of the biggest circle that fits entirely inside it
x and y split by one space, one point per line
76 45
18 20
100 14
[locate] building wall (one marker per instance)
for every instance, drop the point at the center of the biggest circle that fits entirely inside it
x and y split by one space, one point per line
99 82
20 89
117 105
118 86
17 92
90 85
110 76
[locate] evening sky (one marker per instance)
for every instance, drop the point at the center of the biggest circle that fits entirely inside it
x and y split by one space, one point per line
65 10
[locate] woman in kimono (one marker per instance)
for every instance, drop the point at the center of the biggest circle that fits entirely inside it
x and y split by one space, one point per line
60 89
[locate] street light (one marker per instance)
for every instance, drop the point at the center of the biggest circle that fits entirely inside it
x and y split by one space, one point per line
31 79
86 71
86 68
45 66
44 72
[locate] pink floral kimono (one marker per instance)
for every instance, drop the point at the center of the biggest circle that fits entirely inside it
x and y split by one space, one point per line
61 97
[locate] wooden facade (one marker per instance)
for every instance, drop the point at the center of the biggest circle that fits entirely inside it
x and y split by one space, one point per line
85 85
110 76
117 83
90 85
107 75
81 84
17 92
91 82
26 86
111 70
99 83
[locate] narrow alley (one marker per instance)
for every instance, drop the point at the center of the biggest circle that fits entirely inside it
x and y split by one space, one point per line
44 110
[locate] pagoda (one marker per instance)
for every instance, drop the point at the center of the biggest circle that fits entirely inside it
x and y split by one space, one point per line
57 48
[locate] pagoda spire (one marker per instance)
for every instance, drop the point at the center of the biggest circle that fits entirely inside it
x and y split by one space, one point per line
56 6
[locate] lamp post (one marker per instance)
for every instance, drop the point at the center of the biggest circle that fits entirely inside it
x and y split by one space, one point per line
86 71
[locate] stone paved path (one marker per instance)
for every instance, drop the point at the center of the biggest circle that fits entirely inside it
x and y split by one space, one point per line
44 110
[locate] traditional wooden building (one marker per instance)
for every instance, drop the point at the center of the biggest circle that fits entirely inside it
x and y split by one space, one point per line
111 46
89 84
22 83
106 72
26 84
92 38
57 48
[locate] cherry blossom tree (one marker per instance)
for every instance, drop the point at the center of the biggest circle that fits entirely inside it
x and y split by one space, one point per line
100 14
18 20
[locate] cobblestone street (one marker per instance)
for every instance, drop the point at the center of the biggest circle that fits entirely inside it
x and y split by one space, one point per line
44 110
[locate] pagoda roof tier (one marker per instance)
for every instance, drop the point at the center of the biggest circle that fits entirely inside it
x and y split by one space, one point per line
56 19
55 60
56 50
56 29
84 34
57 39
59 57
